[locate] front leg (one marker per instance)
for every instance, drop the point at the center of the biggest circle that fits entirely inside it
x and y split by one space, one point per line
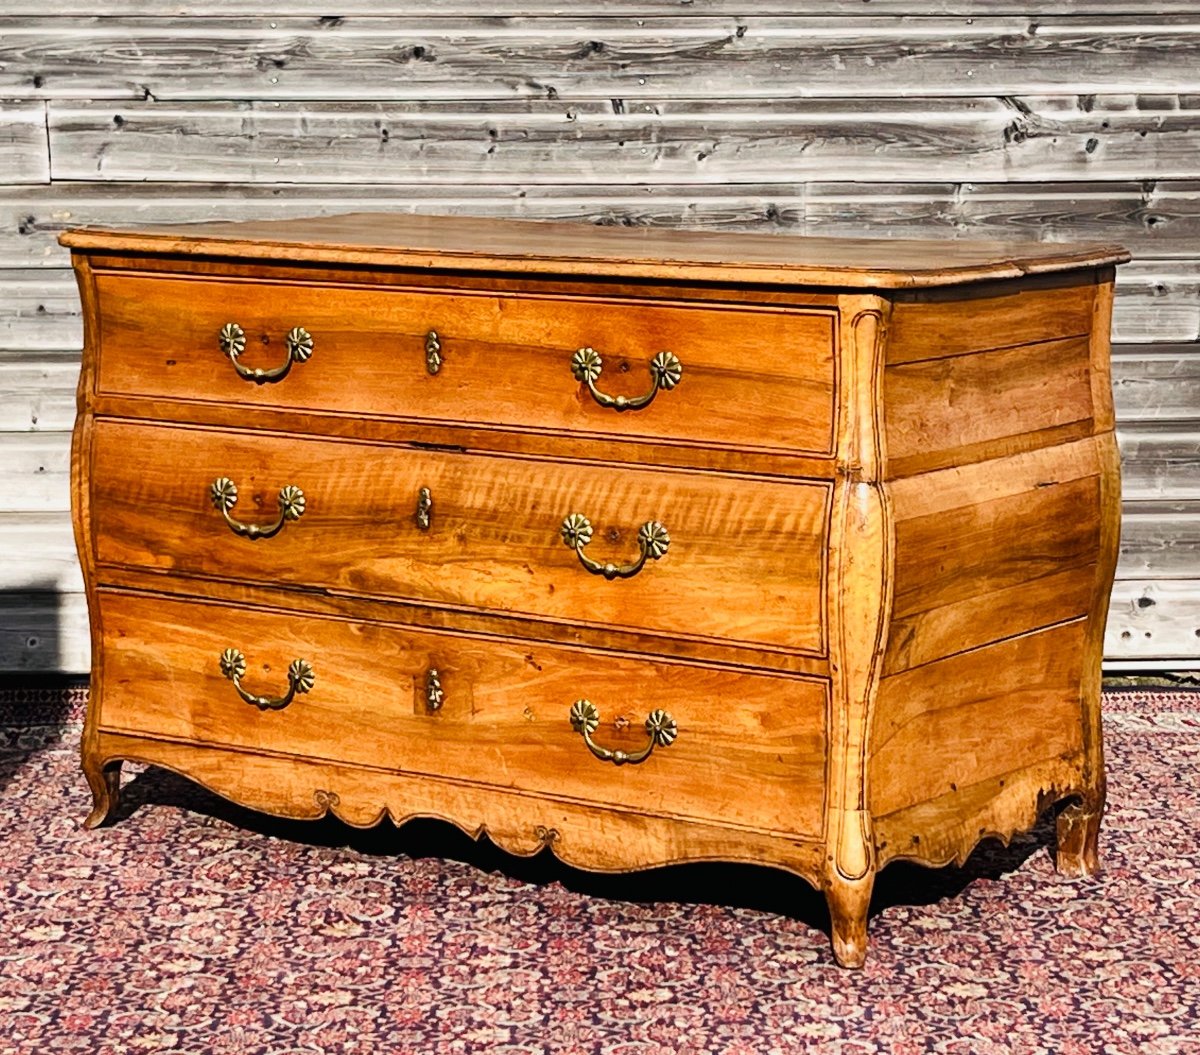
105 782
1079 834
849 901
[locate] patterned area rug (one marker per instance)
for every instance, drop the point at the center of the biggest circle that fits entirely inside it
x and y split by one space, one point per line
195 926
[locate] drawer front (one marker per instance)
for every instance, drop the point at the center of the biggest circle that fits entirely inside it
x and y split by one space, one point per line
749 749
494 541
750 377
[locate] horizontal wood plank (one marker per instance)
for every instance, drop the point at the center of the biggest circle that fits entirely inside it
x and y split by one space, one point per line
363 9
1159 460
964 408
1156 382
975 716
1151 218
633 141
37 391
44 632
684 57
35 472
24 149
1157 301
1160 539
39 553
1154 619
39 311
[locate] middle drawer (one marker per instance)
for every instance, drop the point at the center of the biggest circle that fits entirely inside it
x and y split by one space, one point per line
637 549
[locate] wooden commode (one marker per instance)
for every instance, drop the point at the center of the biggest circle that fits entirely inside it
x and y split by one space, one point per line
644 546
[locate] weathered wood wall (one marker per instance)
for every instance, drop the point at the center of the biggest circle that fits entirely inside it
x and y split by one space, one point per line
1075 119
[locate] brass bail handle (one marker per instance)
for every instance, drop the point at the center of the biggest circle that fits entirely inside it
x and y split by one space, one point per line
653 543
298 341
300 680
665 373
224 494
661 727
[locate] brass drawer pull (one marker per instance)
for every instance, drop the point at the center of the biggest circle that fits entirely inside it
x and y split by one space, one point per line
224 495
300 680
435 695
653 541
424 513
665 372
299 344
585 717
433 352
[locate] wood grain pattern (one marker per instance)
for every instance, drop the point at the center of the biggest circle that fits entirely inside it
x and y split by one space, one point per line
1152 382
37 391
506 359
993 549
975 717
1158 301
715 141
965 408
1161 461
1160 540
35 472
1155 219
1155 619
681 57
23 143
614 8
937 324
504 721
861 561
586 836
494 542
383 240
39 312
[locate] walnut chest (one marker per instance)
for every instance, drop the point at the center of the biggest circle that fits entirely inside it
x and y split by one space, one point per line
643 546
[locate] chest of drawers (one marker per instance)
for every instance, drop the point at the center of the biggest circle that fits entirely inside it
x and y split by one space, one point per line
642 546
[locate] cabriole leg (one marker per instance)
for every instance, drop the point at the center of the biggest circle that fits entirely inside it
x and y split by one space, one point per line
848 901
1079 834
105 782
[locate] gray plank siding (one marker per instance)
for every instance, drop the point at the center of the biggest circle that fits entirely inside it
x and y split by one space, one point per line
24 143
1069 120
632 141
683 57
842 9
37 391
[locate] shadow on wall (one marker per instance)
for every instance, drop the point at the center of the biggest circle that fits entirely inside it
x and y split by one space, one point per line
38 703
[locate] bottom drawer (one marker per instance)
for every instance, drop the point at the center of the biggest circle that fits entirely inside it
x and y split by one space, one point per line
749 748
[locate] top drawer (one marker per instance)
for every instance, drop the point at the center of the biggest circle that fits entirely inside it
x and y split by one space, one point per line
749 377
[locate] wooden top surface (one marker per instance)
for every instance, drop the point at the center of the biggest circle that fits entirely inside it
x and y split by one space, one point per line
536 247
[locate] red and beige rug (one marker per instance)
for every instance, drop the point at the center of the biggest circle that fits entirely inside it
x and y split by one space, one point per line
195 926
